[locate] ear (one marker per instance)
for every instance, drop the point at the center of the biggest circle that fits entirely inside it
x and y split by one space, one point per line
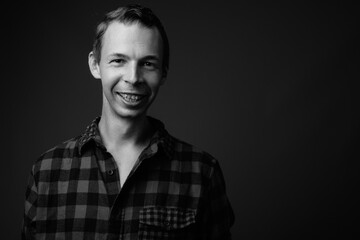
94 66
163 77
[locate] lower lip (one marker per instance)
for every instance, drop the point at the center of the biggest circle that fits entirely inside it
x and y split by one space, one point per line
137 103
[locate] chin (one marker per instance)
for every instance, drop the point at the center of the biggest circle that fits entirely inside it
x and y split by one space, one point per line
131 114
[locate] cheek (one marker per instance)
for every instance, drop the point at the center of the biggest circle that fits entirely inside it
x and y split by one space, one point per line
154 85
109 79
155 89
154 80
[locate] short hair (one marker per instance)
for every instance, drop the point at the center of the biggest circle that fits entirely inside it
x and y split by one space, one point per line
132 13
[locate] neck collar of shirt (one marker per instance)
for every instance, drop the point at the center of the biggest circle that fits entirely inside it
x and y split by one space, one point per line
161 137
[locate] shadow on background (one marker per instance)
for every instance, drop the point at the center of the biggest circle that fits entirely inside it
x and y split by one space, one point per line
270 90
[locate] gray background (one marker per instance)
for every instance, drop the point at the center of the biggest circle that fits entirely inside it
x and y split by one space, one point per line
269 89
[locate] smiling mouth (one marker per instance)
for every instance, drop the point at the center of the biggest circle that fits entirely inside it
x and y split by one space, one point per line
132 98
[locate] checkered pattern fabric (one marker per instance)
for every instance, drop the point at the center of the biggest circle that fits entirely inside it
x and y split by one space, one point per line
174 191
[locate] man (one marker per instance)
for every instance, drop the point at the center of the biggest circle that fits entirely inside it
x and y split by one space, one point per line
125 177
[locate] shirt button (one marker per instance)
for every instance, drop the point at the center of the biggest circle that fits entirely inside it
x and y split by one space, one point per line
110 172
154 148
167 223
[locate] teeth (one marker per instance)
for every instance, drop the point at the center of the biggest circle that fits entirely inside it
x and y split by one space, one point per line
131 98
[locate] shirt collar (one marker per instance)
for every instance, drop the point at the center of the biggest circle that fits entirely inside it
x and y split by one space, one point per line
90 134
161 137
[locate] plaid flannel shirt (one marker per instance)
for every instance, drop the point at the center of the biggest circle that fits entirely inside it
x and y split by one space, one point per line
174 191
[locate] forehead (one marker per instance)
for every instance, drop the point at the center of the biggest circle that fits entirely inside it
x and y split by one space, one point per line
131 38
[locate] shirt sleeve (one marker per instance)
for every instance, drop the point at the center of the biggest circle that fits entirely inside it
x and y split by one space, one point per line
29 219
219 216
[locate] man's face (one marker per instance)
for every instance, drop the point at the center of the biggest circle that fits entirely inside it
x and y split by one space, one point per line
130 69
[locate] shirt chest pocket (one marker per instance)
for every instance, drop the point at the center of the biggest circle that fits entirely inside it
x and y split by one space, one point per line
166 223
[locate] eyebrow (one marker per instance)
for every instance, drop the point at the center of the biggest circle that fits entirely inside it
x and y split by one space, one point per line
120 55
117 55
151 57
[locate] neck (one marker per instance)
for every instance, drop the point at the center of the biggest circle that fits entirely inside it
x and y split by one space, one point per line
119 131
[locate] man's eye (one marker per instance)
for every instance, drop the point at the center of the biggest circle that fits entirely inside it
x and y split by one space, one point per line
118 61
149 65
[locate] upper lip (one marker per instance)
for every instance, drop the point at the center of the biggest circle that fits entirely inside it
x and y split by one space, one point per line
133 93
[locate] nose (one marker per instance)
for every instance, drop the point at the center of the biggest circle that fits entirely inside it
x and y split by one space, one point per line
132 75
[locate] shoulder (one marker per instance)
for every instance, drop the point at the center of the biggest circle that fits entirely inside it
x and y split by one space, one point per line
53 158
199 159
185 148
